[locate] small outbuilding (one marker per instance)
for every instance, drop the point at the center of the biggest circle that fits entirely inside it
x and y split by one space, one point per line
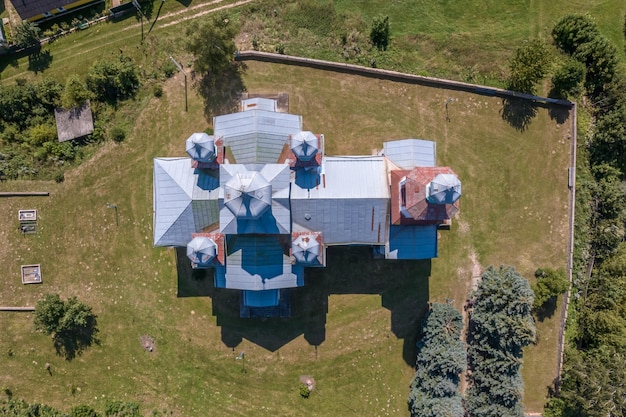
74 123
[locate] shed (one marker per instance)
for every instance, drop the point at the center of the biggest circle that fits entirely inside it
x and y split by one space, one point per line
74 123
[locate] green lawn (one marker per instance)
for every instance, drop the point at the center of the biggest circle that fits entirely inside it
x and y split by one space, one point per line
354 323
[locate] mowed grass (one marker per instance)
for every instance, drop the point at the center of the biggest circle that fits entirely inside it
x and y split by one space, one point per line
354 323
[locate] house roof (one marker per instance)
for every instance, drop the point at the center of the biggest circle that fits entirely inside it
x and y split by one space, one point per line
256 136
74 123
185 201
409 153
30 8
350 204
410 242
267 214
416 207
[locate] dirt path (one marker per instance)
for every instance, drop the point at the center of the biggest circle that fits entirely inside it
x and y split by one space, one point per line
195 15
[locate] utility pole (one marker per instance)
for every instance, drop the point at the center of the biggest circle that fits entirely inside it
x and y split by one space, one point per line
141 15
181 69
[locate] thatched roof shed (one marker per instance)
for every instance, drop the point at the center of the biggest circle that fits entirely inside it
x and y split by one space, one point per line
74 123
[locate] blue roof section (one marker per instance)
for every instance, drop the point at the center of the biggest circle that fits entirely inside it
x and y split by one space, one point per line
258 263
349 206
255 135
276 220
266 298
411 242
185 201
410 153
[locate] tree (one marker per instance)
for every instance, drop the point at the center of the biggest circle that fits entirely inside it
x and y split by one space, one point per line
550 283
379 34
26 34
113 80
573 30
72 324
75 93
501 324
568 78
219 81
441 359
529 66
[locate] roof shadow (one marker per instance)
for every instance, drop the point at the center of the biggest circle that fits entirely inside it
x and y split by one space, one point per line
193 282
402 284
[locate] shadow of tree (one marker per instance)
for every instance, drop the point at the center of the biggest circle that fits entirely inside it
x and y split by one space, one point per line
221 90
560 114
518 112
547 310
70 343
39 61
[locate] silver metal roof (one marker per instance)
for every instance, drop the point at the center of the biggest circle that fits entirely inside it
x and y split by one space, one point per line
276 220
349 206
411 153
185 201
256 136
259 103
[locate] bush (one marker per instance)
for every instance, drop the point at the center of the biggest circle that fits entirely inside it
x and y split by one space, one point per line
380 33
157 90
568 78
305 391
550 283
59 177
117 134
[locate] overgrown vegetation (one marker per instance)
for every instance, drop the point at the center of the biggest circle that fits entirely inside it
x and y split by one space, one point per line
19 408
591 383
29 146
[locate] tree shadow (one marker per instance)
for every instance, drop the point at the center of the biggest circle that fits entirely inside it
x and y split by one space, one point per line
39 61
221 90
560 114
70 344
518 112
547 310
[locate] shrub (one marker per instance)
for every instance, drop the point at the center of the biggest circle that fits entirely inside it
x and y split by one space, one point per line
117 134
305 391
568 78
157 90
380 33
59 177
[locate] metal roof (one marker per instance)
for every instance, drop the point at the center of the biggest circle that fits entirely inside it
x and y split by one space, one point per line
409 153
412 242
201 147
350 205
259 103
256 136
265 298
276 220
185 201
258 263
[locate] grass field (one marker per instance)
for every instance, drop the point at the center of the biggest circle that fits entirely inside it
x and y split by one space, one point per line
354 323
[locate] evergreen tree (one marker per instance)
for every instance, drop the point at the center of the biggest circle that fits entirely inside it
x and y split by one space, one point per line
441 359
501 324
